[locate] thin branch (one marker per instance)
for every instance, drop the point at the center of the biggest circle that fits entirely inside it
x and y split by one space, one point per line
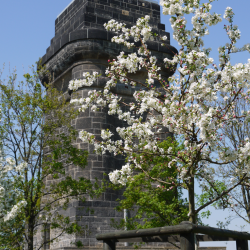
222 194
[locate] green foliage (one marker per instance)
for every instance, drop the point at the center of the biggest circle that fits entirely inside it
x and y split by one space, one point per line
11 234
154 204
223 225
211 192
36 128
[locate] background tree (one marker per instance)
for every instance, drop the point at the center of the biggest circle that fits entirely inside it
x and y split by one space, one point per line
238 133
196 103
36 132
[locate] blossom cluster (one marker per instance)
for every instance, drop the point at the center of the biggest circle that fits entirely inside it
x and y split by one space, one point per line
11 201
140 32
88 81
121 176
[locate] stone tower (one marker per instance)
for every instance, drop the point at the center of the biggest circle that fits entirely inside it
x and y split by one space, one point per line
81 44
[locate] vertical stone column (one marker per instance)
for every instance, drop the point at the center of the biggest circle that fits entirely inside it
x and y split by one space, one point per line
82 45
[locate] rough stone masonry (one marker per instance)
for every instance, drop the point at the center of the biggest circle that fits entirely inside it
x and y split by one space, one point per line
81 44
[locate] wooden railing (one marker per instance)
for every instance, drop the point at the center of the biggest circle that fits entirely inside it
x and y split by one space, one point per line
183 233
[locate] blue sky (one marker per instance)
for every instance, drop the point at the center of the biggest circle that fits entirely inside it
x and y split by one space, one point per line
27 27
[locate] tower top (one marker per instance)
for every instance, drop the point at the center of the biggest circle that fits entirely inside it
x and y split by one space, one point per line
151 1
81 18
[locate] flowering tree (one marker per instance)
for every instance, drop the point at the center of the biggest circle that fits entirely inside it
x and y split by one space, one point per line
34 194
196 103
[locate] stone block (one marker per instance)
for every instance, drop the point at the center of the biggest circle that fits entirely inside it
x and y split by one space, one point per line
161 26
86 219
102 20
104 2
132 6
90 9
91 149
89 165
112 203
101 203
153 45
100 113
96 175
82 211
131 1
119 214
99 119
114 2
57 46
44 59
77 23
126 18
103 13
85 242
70 212
145 11
77 75
155 6
82 174
85 203
64 39
88 17
66 26
82 123
100 7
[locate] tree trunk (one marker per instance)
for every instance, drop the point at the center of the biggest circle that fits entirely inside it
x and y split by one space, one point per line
191 199
191 204
246 199
30 236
